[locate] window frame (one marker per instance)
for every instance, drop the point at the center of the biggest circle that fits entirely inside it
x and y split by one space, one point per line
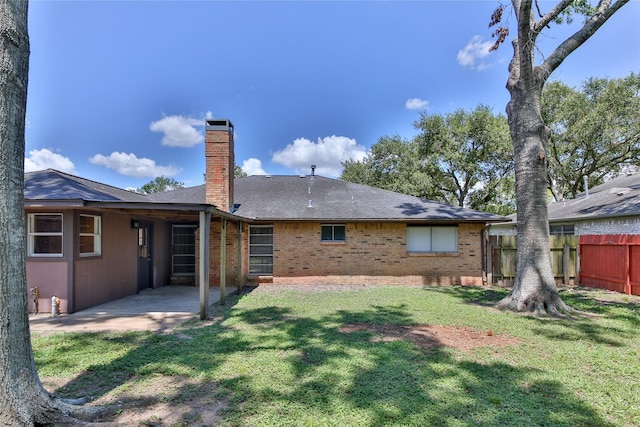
562 230
261 256
96 235
431 249
333 238
32 235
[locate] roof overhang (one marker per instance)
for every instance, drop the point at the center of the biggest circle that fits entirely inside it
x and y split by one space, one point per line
133 206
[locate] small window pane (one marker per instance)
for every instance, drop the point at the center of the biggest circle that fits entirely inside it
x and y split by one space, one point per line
326 232
444 239
47 244
339 233
261 240
47 224
87 224
418 239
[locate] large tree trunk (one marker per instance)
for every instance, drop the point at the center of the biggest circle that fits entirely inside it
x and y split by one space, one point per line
20 389
534 289
23 400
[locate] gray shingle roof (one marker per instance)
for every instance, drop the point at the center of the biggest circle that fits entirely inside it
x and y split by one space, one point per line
289 197
269 198
51 184
615 198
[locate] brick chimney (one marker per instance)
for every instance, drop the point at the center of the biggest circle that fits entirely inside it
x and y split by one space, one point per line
218 151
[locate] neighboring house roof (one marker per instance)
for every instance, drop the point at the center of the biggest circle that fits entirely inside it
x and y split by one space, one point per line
51 184
618 197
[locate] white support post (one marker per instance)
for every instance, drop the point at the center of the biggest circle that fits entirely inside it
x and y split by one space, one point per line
223 259
205 225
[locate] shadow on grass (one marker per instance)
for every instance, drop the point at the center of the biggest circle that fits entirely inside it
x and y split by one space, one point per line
585 300
280 368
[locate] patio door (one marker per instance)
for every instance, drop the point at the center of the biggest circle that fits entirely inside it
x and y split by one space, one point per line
145 261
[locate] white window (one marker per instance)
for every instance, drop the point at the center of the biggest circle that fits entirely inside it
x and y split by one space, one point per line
333 233
432 239
45 234
90 241
261 249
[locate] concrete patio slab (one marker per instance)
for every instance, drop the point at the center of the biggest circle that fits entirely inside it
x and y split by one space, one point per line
149 310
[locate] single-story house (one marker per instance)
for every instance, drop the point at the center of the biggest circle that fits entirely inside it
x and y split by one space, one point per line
606 219
89 243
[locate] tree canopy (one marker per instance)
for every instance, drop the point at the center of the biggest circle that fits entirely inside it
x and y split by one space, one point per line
463 158
468 155
159 185
595 131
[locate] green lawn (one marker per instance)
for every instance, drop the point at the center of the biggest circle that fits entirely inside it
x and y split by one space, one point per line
279 358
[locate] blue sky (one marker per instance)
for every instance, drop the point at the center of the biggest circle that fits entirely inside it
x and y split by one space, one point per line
119 91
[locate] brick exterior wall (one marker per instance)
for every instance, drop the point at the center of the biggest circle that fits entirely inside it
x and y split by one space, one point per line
219 158
609 226
374 253
231 278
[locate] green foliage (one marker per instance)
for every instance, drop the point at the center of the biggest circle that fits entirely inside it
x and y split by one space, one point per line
281 357
160 185
238 172
469 157
463 159
393 163
595 131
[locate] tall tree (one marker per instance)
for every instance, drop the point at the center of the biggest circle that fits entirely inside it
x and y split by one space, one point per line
159 185
23 400
595 132
534 289
469 156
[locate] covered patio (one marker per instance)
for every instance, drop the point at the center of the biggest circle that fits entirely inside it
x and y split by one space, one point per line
150 310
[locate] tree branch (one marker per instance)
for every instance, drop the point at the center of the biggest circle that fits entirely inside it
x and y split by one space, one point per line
603 12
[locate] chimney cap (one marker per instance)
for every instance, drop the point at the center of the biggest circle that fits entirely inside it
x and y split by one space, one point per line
219 124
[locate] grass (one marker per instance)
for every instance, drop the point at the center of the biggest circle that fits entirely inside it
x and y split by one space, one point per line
279 359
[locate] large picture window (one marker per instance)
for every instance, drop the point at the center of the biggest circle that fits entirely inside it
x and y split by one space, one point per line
333 233
261 249
432 239
45 234
90 241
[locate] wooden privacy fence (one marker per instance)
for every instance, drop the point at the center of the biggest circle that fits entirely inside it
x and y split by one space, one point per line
611 262
502 257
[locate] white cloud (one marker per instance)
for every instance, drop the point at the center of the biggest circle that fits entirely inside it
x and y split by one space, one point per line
253 166
473 53
130 165
180 131
45 159
327 154
416 104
